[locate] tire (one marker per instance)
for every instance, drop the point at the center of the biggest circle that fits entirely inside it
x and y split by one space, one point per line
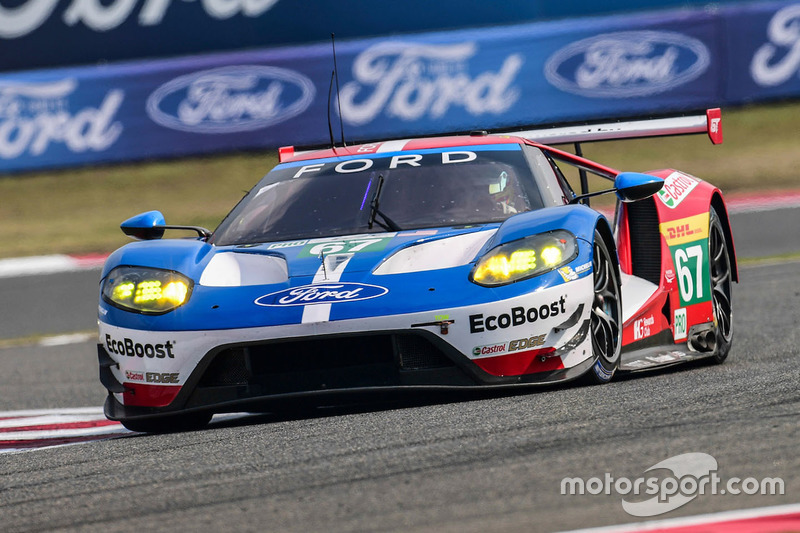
606 315
721 275
169 424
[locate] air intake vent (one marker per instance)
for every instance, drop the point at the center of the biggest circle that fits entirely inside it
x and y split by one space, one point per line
417 353
229 367
645 240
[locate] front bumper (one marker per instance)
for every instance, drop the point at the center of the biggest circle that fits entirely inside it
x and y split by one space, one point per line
540 337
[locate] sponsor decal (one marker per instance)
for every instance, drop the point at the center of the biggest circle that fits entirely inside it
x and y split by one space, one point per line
510 346
130 348
567 273
627 64
162 377
691 266
518 316
641 327
669 276
570 274
680 325
418 233
491 349
778 60
29 15
130 375
230 99
35 115
676 188
685 230
290 244
687 239
529 342
351 166
600 371
344 246
412 81
322 293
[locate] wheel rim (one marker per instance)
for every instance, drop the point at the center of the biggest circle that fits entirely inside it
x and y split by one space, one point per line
720 280
605 309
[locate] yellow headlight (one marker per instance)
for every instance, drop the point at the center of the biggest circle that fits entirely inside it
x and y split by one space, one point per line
525 258
146 290
552 255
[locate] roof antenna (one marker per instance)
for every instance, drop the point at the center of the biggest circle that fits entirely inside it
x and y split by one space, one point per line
338 100
330 128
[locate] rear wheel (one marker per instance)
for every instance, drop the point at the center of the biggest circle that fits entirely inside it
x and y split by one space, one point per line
606 314
169 424
721 286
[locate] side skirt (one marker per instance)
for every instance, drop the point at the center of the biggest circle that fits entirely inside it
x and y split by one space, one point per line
656 352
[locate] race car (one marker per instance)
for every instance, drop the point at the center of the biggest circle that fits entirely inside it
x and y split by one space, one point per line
443 263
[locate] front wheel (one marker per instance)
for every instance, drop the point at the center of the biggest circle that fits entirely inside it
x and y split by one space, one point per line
606 314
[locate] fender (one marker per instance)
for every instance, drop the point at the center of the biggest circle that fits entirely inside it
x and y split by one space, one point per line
684 196
578 219
187 256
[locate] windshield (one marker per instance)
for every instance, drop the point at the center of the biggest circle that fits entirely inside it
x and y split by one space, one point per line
341 196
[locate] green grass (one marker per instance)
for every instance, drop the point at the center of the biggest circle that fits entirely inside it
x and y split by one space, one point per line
79 210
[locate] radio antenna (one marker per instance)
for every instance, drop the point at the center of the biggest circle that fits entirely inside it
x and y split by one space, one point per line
338 100
330 127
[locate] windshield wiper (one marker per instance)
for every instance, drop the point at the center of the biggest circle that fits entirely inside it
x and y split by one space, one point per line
387 224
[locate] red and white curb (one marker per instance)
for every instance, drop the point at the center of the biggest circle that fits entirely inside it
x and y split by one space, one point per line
49 264
46 428
25 431
753 203
776 519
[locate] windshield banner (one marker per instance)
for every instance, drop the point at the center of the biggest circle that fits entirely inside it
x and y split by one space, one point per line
458 81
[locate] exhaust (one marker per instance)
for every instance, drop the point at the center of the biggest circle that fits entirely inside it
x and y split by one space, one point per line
704 341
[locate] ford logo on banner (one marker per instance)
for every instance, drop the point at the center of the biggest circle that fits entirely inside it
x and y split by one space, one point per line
777 61
322 293
230 99
627 64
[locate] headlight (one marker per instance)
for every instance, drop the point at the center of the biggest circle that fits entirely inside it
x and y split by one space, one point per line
525 258
146 290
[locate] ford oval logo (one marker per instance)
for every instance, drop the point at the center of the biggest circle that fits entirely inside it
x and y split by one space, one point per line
230 99
627 64
322 293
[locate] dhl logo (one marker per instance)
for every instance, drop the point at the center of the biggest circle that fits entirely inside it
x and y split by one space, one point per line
685 230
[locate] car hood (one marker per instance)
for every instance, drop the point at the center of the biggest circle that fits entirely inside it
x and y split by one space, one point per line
376 274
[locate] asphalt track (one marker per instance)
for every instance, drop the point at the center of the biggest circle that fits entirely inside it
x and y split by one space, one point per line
494 462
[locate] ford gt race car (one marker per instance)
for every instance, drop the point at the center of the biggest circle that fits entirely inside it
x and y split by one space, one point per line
455 262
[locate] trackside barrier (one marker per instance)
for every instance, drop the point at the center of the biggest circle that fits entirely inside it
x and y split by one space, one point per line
497 78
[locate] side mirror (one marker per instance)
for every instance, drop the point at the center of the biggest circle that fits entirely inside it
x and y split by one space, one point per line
151 225
633 186
145 226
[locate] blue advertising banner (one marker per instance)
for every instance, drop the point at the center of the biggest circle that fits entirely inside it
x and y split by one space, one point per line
763 47
492 78
54 33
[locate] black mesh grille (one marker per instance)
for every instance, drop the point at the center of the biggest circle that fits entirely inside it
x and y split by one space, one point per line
325 363
645 240
321 354
229 367
417 353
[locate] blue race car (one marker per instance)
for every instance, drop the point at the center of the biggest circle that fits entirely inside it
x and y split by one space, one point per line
454 262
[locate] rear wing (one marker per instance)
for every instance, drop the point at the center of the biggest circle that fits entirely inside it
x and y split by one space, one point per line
709 123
